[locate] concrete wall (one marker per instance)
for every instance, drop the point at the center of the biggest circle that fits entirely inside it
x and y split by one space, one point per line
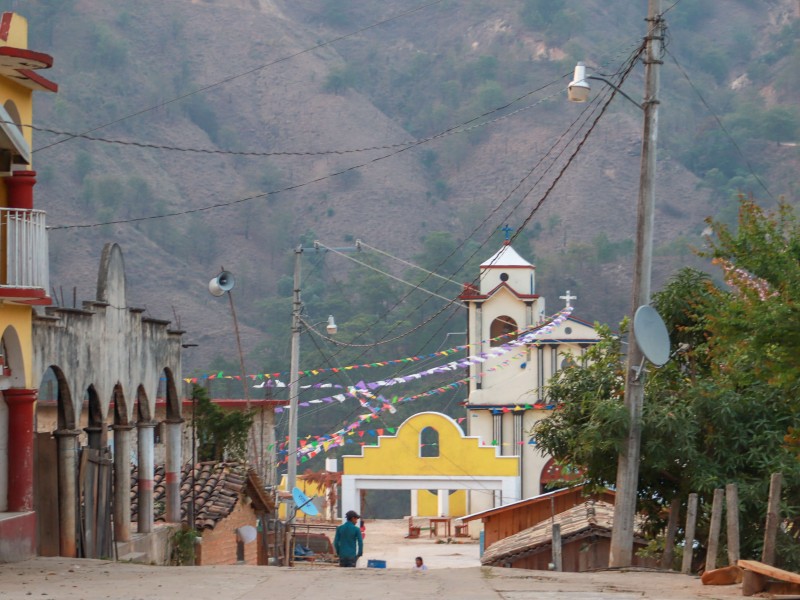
17 536
107 343
155 546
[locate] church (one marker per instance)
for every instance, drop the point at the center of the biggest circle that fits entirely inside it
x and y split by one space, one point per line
522 347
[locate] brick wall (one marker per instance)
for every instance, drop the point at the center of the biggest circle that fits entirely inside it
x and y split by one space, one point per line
219 544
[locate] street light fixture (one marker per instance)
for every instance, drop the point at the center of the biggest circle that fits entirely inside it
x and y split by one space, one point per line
621 548
331 327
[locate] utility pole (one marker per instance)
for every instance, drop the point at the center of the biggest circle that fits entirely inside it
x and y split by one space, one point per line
621 551
294 377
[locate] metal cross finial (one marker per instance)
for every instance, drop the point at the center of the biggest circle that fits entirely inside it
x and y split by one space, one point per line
507 229
568 299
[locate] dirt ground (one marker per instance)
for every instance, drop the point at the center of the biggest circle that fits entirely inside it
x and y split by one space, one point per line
454 572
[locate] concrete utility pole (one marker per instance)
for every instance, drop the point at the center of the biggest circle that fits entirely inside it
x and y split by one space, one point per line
621 551
294 376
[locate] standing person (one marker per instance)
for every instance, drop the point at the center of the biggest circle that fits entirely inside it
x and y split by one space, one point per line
347 542
419 565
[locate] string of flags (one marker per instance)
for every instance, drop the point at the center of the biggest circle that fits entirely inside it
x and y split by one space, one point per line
363 391
526 336
311 446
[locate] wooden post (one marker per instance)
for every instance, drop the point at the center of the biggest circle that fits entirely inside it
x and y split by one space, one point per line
773 518
732 514
714 529
557 563
672 528
691 522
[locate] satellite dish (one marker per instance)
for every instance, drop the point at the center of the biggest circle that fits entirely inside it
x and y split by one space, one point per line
246 533
651 335
304 503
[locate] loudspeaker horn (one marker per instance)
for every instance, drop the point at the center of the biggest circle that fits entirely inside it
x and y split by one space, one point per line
222 283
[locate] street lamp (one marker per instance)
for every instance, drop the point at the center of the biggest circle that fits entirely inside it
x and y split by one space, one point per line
621 549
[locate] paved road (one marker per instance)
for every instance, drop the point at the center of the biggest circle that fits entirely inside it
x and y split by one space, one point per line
62 579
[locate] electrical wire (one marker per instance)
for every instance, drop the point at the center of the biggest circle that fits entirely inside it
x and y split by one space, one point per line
250 71
720 124
302 153
409 264
299 185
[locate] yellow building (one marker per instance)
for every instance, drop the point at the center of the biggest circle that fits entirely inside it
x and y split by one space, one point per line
24 281
429 452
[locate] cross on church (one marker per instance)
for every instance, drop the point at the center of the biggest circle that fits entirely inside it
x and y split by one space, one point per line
568 299
507 229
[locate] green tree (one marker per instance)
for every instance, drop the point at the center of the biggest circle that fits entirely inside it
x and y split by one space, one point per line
724 409
221 435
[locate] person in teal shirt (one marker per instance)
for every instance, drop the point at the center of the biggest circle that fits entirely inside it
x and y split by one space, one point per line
347 542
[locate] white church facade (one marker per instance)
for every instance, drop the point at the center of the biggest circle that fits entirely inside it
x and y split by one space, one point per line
507 394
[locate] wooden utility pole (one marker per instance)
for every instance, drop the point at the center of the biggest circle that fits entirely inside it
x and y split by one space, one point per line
621 549
688 543
557 561
714 529
732 516
773 518
672 528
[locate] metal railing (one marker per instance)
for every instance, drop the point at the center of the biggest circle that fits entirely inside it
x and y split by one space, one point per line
23 244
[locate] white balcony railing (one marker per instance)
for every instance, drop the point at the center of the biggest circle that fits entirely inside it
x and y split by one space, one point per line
23 243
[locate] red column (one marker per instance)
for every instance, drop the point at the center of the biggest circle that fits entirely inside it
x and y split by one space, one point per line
20 189
20 404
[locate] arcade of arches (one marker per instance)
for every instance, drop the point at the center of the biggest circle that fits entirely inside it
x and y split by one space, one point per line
101 369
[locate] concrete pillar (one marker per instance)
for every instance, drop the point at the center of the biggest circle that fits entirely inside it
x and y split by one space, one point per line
173 469
67 441
19 187
443 503
146 473
122 482
20 404
351 499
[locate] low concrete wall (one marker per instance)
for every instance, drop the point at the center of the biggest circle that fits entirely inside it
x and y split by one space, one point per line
17 536
148 548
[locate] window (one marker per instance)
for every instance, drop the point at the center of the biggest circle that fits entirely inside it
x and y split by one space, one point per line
500 330
429 443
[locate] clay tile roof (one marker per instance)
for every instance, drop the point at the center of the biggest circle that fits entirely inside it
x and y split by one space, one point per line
576 522
217 487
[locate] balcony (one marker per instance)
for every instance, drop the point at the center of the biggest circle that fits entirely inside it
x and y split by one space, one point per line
25 267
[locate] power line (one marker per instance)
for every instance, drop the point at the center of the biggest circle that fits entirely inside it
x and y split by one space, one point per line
309 182
721 125
250 71
300 153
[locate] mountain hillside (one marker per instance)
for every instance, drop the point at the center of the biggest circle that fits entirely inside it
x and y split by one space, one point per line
228 81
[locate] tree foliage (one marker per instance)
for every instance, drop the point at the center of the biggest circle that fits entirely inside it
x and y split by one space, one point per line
724 409
221 435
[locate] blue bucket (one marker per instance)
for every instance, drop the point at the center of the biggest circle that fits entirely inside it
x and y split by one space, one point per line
376 564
